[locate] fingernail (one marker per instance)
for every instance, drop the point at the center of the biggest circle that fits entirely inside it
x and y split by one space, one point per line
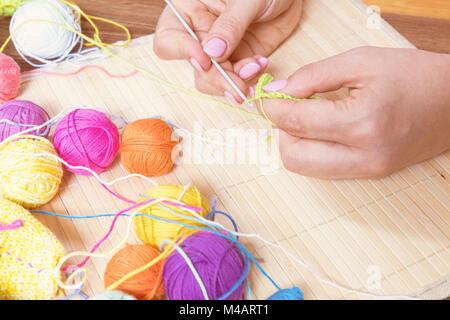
263 62
276 85
195 64
215 47
252 92
230 97
249 70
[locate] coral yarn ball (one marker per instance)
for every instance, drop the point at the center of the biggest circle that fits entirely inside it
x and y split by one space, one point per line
23 114
147 146
9 78
87 138
217 260
148 284
30 173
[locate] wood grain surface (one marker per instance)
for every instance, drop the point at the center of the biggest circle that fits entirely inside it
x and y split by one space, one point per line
141 17
427 8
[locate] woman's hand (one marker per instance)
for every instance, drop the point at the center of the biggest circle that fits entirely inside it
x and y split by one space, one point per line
239 34
397 113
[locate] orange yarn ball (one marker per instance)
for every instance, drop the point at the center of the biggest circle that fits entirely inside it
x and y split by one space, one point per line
148 284
147 147
9 78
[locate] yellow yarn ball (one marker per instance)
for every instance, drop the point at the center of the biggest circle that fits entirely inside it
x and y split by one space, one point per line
28 257
26 178
152 231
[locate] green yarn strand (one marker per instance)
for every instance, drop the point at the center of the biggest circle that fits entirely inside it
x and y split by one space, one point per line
260 94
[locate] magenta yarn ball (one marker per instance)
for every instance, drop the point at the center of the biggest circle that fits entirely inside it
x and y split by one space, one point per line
9 78
218 261
87 138
20 115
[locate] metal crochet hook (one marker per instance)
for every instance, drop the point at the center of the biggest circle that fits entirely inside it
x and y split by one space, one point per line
214 62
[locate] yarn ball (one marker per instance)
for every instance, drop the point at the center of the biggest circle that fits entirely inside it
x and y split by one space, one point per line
28 257
29 175
148 284
152 231
42 40
9 78
88 138
21 112
112 295
218 262
293 293
147 146
8 7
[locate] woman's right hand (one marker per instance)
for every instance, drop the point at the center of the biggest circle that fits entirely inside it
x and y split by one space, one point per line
238 34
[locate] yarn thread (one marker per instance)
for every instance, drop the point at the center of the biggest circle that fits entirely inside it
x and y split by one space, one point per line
153 232
146 147
88 138
218 261
66 15
18 115
45 42
147 285
26 179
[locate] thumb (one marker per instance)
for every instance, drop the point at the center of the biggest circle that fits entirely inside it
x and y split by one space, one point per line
227 31
336 72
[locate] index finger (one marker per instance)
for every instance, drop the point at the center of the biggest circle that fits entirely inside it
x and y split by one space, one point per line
173 42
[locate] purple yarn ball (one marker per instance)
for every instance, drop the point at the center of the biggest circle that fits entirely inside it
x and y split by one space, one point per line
217 260
22 113
87 138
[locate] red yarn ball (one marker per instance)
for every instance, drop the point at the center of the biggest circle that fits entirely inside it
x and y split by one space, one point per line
9 78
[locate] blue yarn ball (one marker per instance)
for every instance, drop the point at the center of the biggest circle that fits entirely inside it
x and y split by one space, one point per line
112 295
287 294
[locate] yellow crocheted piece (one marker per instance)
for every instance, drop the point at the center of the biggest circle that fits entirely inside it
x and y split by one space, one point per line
28 257
29 174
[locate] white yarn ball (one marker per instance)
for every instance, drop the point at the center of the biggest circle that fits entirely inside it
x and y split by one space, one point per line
43 41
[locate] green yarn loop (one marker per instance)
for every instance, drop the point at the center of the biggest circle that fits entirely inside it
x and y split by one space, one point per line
8 7
261 94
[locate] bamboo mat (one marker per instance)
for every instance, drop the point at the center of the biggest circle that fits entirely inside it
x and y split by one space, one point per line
349 232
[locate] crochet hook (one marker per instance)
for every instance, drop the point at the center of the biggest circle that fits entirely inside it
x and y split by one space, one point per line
214 62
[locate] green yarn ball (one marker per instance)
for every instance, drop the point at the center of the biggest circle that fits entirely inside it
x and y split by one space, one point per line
10 6
112 295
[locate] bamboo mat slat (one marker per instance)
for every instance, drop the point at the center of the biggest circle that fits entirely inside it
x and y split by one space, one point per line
398 225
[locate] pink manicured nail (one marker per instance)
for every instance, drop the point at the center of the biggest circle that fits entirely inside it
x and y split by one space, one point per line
215 47
276 85
230 97
263 62
195 64
249 70
252 92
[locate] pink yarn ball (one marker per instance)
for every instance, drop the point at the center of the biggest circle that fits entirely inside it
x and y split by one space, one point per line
21 114
9 78
87 138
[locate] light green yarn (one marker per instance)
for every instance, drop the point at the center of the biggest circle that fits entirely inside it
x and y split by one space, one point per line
112 295
8 7
261 94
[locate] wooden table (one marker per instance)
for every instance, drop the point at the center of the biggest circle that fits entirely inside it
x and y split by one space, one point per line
141 17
